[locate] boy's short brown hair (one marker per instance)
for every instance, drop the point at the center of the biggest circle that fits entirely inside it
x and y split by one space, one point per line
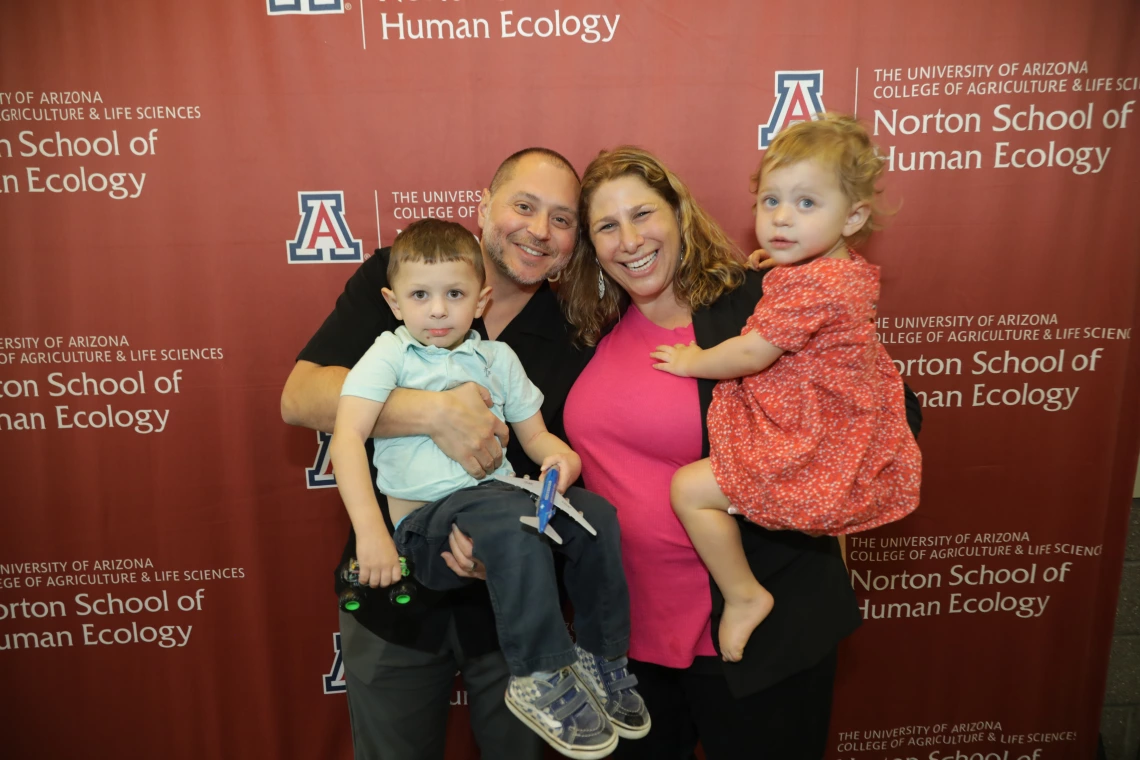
433 241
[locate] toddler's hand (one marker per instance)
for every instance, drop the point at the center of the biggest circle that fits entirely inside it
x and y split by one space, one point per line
569 467
759 259
379 560
677 360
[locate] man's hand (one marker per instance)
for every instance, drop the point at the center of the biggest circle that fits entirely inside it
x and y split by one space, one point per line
461 558
467 432
679 360
569 467
759 259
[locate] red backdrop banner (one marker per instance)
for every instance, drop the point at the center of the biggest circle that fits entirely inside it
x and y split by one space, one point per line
185 187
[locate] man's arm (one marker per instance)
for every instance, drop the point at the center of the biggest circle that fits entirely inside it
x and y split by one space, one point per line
311 395
312 390
458 420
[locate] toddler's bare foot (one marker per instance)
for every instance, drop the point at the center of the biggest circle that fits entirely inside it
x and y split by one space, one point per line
740 620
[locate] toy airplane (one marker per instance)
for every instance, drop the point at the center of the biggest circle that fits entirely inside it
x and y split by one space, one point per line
548 500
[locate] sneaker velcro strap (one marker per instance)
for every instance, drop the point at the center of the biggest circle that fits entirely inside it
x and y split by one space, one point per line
623 680
622 683
609 666
565 685
576 703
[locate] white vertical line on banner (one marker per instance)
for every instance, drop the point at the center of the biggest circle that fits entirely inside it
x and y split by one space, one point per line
376 199
363 38
856 114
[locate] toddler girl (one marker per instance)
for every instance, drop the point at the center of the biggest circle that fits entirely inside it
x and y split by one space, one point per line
808 429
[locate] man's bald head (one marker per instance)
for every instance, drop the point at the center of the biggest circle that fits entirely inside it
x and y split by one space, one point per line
506 169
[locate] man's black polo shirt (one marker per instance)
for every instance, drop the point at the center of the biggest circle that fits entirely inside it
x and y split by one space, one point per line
541 338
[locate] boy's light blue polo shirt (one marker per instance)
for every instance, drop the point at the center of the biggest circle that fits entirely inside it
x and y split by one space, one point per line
413 467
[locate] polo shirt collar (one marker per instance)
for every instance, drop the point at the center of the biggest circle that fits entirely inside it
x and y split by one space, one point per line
469 346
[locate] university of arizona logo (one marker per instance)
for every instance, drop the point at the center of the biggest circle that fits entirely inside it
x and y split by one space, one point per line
320 475
799 97
323 235
305 6
334 680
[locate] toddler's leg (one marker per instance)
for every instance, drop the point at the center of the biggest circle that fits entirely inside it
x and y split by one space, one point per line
522 585
703 510
595 580
594 576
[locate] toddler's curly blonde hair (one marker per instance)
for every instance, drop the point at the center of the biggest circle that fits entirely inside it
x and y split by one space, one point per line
841 142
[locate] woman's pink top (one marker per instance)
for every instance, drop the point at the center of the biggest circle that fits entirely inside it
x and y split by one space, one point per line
634 426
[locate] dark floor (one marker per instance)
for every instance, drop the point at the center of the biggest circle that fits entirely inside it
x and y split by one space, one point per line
1120 720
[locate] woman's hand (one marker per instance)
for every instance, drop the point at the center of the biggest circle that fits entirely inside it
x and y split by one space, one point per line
461 558
679 360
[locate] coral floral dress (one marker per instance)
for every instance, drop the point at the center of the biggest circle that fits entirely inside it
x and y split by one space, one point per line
818 442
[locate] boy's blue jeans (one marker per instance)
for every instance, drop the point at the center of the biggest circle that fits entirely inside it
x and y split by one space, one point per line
520 571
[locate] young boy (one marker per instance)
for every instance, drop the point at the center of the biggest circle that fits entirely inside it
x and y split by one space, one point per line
436 279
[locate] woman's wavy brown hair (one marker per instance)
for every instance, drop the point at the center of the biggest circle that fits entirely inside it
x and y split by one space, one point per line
710 263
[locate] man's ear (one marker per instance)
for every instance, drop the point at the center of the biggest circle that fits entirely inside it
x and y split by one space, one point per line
484 299
390 297
857 216
484 208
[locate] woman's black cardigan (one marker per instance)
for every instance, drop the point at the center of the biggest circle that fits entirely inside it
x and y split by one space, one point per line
815 605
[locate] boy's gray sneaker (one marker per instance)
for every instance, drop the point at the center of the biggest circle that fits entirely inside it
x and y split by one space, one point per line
561 711
612 686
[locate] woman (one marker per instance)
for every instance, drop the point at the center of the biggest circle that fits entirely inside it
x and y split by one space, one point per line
655 269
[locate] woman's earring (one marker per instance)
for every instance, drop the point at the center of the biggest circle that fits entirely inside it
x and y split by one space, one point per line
601 284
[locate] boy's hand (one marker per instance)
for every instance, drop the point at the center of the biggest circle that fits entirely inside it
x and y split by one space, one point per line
379 560
679 360
569 467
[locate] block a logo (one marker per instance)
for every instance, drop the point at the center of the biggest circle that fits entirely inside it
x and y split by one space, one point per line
799 97
320 475
334 680
280 7
323 236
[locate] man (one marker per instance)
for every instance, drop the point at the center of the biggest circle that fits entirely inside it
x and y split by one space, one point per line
400 662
